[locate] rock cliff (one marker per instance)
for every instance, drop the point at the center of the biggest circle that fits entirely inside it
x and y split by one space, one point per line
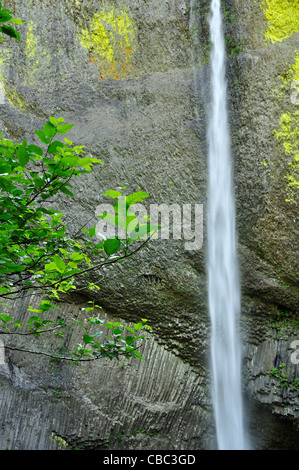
133 76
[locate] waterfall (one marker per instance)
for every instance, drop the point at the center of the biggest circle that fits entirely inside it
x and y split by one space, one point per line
223 278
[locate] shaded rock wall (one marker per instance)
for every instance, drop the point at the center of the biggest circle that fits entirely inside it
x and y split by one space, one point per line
133 78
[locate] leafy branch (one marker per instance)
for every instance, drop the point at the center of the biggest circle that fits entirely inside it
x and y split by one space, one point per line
284 380
6 16
37 253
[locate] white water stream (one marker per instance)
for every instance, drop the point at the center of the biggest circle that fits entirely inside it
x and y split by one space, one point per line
223 277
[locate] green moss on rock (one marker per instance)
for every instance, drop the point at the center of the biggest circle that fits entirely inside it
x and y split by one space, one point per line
110 42
282 17
288 133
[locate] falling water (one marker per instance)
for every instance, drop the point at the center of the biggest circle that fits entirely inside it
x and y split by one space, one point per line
223 279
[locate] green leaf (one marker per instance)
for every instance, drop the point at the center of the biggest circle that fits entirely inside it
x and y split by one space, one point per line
22 154
16 21
109 325
46 305
130 329
60 265
34 318
64 128
54 146
87 339
50 266
17 192
10 31
77 256
113 219
71 272
5 318
121 207
35 149
4 17
97 334
143 230
136 197
64 190
49 129
70 160
53 121
5 170
5 216
117 331
80 323
92 231
129 340
42 136
138 355
111 246
112 193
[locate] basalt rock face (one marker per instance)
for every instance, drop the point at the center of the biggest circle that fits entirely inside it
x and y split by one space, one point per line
133 76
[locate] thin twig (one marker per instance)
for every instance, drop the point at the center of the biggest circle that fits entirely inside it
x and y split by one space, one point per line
100 265
29 332
64 358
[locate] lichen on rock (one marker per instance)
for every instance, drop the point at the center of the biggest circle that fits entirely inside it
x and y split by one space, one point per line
37 54
288 131
149 128
282 17
110 41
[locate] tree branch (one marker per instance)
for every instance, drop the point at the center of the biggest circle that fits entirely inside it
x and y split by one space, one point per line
29 332
52 356
97 266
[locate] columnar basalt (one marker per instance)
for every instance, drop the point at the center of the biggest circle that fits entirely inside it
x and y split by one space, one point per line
130 77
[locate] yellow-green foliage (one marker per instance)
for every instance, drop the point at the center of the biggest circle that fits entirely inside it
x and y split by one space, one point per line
37 54
59 441
31 42
4 60
110 38
288 135
295 69
282 17
31 54
1 71
14 98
